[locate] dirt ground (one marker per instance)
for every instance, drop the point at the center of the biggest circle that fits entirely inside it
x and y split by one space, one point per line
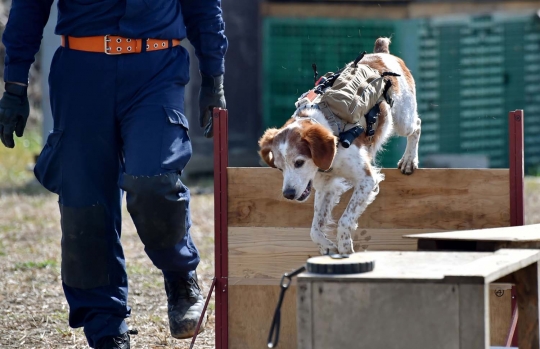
33 310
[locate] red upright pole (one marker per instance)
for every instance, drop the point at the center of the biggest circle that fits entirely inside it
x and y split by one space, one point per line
517 214
221 160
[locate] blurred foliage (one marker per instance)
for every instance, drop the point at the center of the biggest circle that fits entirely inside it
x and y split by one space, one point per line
16 163
34 75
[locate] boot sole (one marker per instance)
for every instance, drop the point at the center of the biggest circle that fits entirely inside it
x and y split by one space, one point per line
201 329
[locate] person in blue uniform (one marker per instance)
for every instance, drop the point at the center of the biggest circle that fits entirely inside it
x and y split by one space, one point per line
117 98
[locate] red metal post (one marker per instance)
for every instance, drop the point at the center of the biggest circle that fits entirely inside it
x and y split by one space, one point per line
517 214
221 160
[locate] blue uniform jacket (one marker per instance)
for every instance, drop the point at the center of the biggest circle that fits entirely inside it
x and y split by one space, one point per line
199 20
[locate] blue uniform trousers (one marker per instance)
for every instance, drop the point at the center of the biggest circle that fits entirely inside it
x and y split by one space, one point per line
119 127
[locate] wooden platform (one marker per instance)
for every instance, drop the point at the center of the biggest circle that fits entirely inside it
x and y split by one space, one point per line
269 235
417 300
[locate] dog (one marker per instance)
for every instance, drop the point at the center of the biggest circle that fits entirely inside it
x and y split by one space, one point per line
307 152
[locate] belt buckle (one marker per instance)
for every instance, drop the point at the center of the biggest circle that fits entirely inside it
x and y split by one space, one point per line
107 48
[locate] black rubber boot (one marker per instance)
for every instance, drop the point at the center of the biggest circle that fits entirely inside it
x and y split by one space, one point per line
118 342
185 306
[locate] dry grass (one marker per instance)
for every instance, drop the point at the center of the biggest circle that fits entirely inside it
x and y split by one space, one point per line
34 311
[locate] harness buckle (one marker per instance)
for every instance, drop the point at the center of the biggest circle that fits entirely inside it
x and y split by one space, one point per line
107 48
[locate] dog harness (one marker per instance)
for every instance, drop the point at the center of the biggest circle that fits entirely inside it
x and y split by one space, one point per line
349 99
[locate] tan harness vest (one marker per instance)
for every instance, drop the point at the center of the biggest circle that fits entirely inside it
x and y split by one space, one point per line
347 98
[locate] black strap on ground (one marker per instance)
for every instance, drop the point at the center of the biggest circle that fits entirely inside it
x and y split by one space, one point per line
285 283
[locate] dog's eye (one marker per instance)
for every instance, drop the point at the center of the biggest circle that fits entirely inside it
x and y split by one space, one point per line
298 163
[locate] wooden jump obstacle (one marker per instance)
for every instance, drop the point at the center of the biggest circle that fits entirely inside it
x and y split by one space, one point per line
259 235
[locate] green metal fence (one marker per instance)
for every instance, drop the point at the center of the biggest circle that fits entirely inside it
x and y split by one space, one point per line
470 71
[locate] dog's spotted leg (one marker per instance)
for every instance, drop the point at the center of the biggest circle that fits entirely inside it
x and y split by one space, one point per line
363 194
325 200
409 161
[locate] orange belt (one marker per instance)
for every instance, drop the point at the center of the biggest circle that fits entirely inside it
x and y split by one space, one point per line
116 45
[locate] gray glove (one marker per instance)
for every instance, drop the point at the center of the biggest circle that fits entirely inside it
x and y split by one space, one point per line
211 95
14 111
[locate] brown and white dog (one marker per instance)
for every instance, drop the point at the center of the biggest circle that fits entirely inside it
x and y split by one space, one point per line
307 152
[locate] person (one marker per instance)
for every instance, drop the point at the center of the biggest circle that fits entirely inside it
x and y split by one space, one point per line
117 86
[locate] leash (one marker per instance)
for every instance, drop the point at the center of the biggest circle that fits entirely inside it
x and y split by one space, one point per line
286 280
202 314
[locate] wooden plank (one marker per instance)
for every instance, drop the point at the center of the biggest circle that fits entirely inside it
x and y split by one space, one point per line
439 199
421 9
528 311
493 266
388 11
473 317
500 313
251 309
257 253
444 267
384 315
520 233
356 11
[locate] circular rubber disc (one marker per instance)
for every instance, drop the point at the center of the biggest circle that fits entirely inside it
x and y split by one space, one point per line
341 264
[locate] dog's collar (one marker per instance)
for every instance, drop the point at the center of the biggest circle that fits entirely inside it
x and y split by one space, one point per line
336 125
307 106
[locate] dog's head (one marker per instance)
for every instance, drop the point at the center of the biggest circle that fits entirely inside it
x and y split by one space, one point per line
299 149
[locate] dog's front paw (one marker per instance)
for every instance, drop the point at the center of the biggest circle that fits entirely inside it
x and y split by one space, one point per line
408 164
345 247
324 250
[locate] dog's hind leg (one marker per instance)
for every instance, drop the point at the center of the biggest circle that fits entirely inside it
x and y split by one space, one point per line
409 161
407 124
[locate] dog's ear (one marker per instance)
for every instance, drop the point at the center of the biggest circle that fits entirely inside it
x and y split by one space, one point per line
322 144
265 144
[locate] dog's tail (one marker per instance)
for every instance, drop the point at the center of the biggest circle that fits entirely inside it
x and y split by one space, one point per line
382 45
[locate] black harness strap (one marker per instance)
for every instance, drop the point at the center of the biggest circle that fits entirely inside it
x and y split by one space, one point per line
359 58
315 72
371 119
387 85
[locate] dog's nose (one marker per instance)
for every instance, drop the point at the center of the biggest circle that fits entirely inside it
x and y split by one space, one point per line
289 193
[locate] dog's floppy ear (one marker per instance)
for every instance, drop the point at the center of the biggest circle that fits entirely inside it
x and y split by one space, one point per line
265 144
322 144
